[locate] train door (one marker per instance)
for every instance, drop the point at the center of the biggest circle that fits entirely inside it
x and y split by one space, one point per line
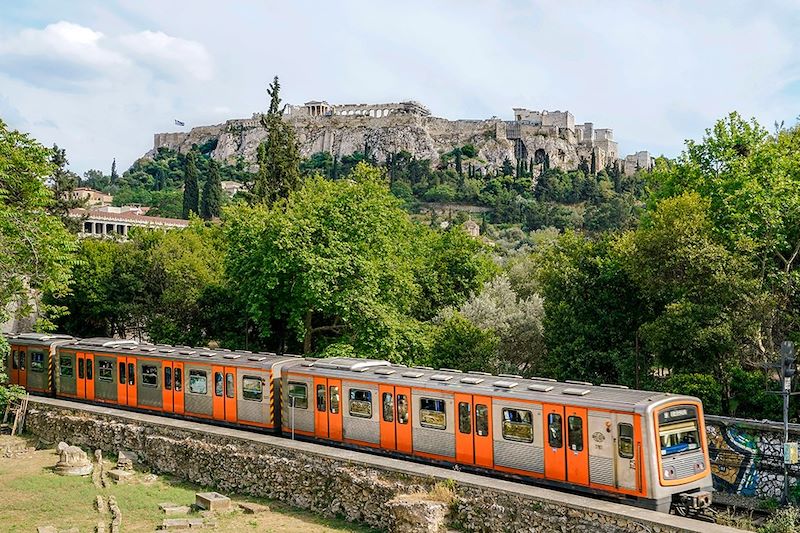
167 392
474 430
22 364
334 409
230 394
321 411
403 425
177 387
555 463
89 376
126 381
625 463
577 448
219 392
388 417
80 381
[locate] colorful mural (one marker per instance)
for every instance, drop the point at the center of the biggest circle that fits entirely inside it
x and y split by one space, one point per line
747 458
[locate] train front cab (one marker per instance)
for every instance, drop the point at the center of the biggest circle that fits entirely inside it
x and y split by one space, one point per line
680 466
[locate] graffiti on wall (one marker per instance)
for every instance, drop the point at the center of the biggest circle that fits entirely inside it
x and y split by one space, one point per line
747 461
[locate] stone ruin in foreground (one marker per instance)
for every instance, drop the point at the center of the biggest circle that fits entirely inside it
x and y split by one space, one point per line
533 136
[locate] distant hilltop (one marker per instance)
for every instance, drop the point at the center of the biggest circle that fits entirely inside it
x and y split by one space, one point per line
384 129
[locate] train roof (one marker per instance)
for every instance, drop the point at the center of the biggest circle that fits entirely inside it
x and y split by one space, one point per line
509 386
219 356
32 339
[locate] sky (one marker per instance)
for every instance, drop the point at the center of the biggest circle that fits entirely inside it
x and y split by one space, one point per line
100 78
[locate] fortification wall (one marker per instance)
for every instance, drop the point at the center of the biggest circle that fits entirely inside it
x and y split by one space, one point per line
331 481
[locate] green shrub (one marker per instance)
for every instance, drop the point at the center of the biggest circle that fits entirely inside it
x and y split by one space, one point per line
704 386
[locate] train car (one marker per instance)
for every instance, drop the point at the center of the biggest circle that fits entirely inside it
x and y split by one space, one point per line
234 387
648 448
29 359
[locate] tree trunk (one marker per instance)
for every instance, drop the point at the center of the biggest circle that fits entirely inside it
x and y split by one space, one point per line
307 336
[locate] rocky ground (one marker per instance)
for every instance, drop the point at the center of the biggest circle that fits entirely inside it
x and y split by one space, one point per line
34 496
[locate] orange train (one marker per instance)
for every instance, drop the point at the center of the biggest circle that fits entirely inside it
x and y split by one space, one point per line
646 448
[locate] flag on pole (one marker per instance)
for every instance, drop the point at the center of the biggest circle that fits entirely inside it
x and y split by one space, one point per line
179 123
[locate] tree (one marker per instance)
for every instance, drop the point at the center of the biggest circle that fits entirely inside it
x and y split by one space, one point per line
278 156
114 175
64 183
703 301
751 181
592 312
212 193
191 190
508 169
37 250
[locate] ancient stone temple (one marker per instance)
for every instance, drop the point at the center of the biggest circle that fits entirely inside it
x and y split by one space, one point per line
540 138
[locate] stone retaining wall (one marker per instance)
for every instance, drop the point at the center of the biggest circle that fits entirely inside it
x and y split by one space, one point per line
330 481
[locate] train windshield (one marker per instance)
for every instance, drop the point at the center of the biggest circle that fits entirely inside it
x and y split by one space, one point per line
678 429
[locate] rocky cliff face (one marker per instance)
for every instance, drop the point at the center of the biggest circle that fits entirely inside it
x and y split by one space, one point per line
423 137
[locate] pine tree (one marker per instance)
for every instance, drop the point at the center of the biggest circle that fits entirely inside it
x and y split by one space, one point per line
278 156
191 191
114 175
211 207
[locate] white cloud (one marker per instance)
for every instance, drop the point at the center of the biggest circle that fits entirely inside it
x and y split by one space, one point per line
170 56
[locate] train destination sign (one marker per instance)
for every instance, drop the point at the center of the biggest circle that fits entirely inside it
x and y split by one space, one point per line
677 414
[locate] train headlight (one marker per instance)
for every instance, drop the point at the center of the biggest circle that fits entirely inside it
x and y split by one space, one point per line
669 473
699 466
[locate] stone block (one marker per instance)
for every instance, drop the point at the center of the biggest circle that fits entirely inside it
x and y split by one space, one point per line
126 459
173 508
175 523
253 508
212 501
46 529
120 476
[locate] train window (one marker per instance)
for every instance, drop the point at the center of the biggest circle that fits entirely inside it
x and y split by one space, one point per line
149 376
167 378
80 368
481 420
555 431
65 366
122 373
321 398
37 362
464 417
334 398
105 370
218 383
518 425
678 430
432 414
298 395
625 440
178 379
14 360
89 369
388 407
575 433
402 409
131 374
198 382
360 403
230 386
252 388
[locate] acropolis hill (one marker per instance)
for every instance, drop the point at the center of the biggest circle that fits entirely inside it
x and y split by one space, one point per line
394 127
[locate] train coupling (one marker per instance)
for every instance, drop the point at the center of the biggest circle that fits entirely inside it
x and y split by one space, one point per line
695 501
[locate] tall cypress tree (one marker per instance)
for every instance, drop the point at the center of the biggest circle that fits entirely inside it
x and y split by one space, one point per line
64 184
191 190
459 169
278 156
211 207
114 175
